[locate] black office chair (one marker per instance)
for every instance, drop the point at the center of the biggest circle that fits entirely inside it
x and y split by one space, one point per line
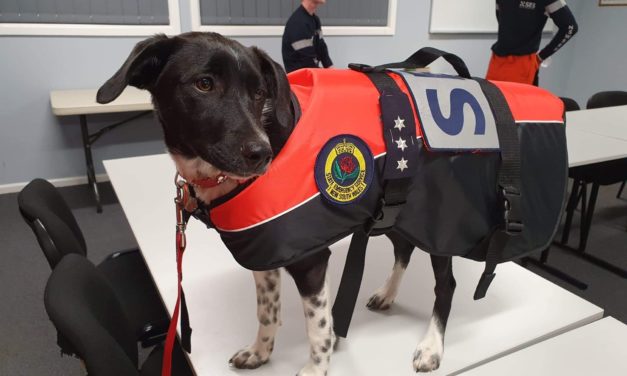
46 212
83 307
598 174
570 104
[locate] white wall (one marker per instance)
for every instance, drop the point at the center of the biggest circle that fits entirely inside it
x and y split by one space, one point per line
598 59
35 143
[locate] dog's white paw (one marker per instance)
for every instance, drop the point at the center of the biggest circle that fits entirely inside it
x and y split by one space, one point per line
384 296
427 359
250 357
311 370
381 300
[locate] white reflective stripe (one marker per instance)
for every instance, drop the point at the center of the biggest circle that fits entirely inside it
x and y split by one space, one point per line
539 121
303 43
271 218
555 6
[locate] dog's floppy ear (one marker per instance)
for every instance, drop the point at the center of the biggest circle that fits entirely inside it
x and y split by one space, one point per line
141 68
273 75
279 96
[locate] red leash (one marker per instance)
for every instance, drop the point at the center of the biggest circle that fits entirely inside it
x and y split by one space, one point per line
183 200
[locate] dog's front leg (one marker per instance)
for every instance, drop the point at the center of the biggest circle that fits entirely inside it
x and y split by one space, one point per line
269 315
383 298
428 354
310 277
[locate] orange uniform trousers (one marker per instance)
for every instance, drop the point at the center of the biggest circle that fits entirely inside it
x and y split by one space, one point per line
512 68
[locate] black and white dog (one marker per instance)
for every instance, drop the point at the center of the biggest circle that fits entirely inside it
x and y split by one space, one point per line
226 111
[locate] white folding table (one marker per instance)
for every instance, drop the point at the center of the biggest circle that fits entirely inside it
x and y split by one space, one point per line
520 309
595 349
607 121
82 102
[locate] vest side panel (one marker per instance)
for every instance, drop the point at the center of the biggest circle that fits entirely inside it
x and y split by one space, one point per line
300 232
544 178
531 103
453 203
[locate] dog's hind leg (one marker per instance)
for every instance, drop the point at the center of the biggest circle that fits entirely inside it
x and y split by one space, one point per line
310 277
428 354
269 315
384 296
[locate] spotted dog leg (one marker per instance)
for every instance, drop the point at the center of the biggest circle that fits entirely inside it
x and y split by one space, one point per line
310 278
269 316
428 354
384 296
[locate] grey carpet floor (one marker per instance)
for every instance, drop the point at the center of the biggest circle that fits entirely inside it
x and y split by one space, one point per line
28 339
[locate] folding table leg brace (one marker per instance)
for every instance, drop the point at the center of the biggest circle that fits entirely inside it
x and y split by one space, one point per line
88 141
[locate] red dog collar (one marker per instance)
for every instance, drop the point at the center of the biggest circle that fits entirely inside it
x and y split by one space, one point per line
209 182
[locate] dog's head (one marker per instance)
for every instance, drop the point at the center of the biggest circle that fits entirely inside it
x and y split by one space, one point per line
225 108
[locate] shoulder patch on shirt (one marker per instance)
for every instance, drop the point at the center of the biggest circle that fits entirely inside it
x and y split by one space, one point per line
344 169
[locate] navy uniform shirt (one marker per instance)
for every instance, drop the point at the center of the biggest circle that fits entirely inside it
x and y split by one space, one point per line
303 45
521 23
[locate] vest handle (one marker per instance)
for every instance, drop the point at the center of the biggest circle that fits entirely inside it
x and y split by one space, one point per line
427 55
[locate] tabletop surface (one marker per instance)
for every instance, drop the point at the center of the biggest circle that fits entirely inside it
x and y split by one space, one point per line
607 121
598 348
519 310
83 102
587 148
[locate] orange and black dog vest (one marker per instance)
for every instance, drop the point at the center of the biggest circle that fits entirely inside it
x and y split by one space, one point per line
327 180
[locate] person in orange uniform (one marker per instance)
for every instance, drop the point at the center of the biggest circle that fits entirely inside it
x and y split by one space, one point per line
515 55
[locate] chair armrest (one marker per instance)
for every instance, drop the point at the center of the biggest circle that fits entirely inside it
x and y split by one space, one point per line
125 252
154 333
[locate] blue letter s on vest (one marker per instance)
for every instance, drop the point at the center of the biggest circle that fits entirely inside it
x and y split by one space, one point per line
455 122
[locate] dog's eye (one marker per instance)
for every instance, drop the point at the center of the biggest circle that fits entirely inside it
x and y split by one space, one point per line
260 94
204 84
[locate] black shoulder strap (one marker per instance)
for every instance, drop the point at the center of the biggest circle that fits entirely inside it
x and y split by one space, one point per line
400 137
508 181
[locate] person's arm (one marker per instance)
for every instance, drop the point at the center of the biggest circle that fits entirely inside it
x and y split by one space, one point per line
323 53
566 24
300 52
498 12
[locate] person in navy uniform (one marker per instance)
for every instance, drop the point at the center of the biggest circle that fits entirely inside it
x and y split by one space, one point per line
516 55
303 45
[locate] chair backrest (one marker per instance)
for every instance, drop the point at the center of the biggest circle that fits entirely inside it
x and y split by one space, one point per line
607 99
84 309
570 104
48 215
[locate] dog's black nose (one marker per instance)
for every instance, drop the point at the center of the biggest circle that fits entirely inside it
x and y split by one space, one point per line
257 154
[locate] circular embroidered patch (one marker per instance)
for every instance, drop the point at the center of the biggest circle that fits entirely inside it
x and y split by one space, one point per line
344 169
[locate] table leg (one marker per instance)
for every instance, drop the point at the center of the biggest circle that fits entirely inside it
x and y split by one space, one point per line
89 162
586 220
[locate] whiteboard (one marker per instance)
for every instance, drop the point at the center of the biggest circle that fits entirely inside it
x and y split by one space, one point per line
466 16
